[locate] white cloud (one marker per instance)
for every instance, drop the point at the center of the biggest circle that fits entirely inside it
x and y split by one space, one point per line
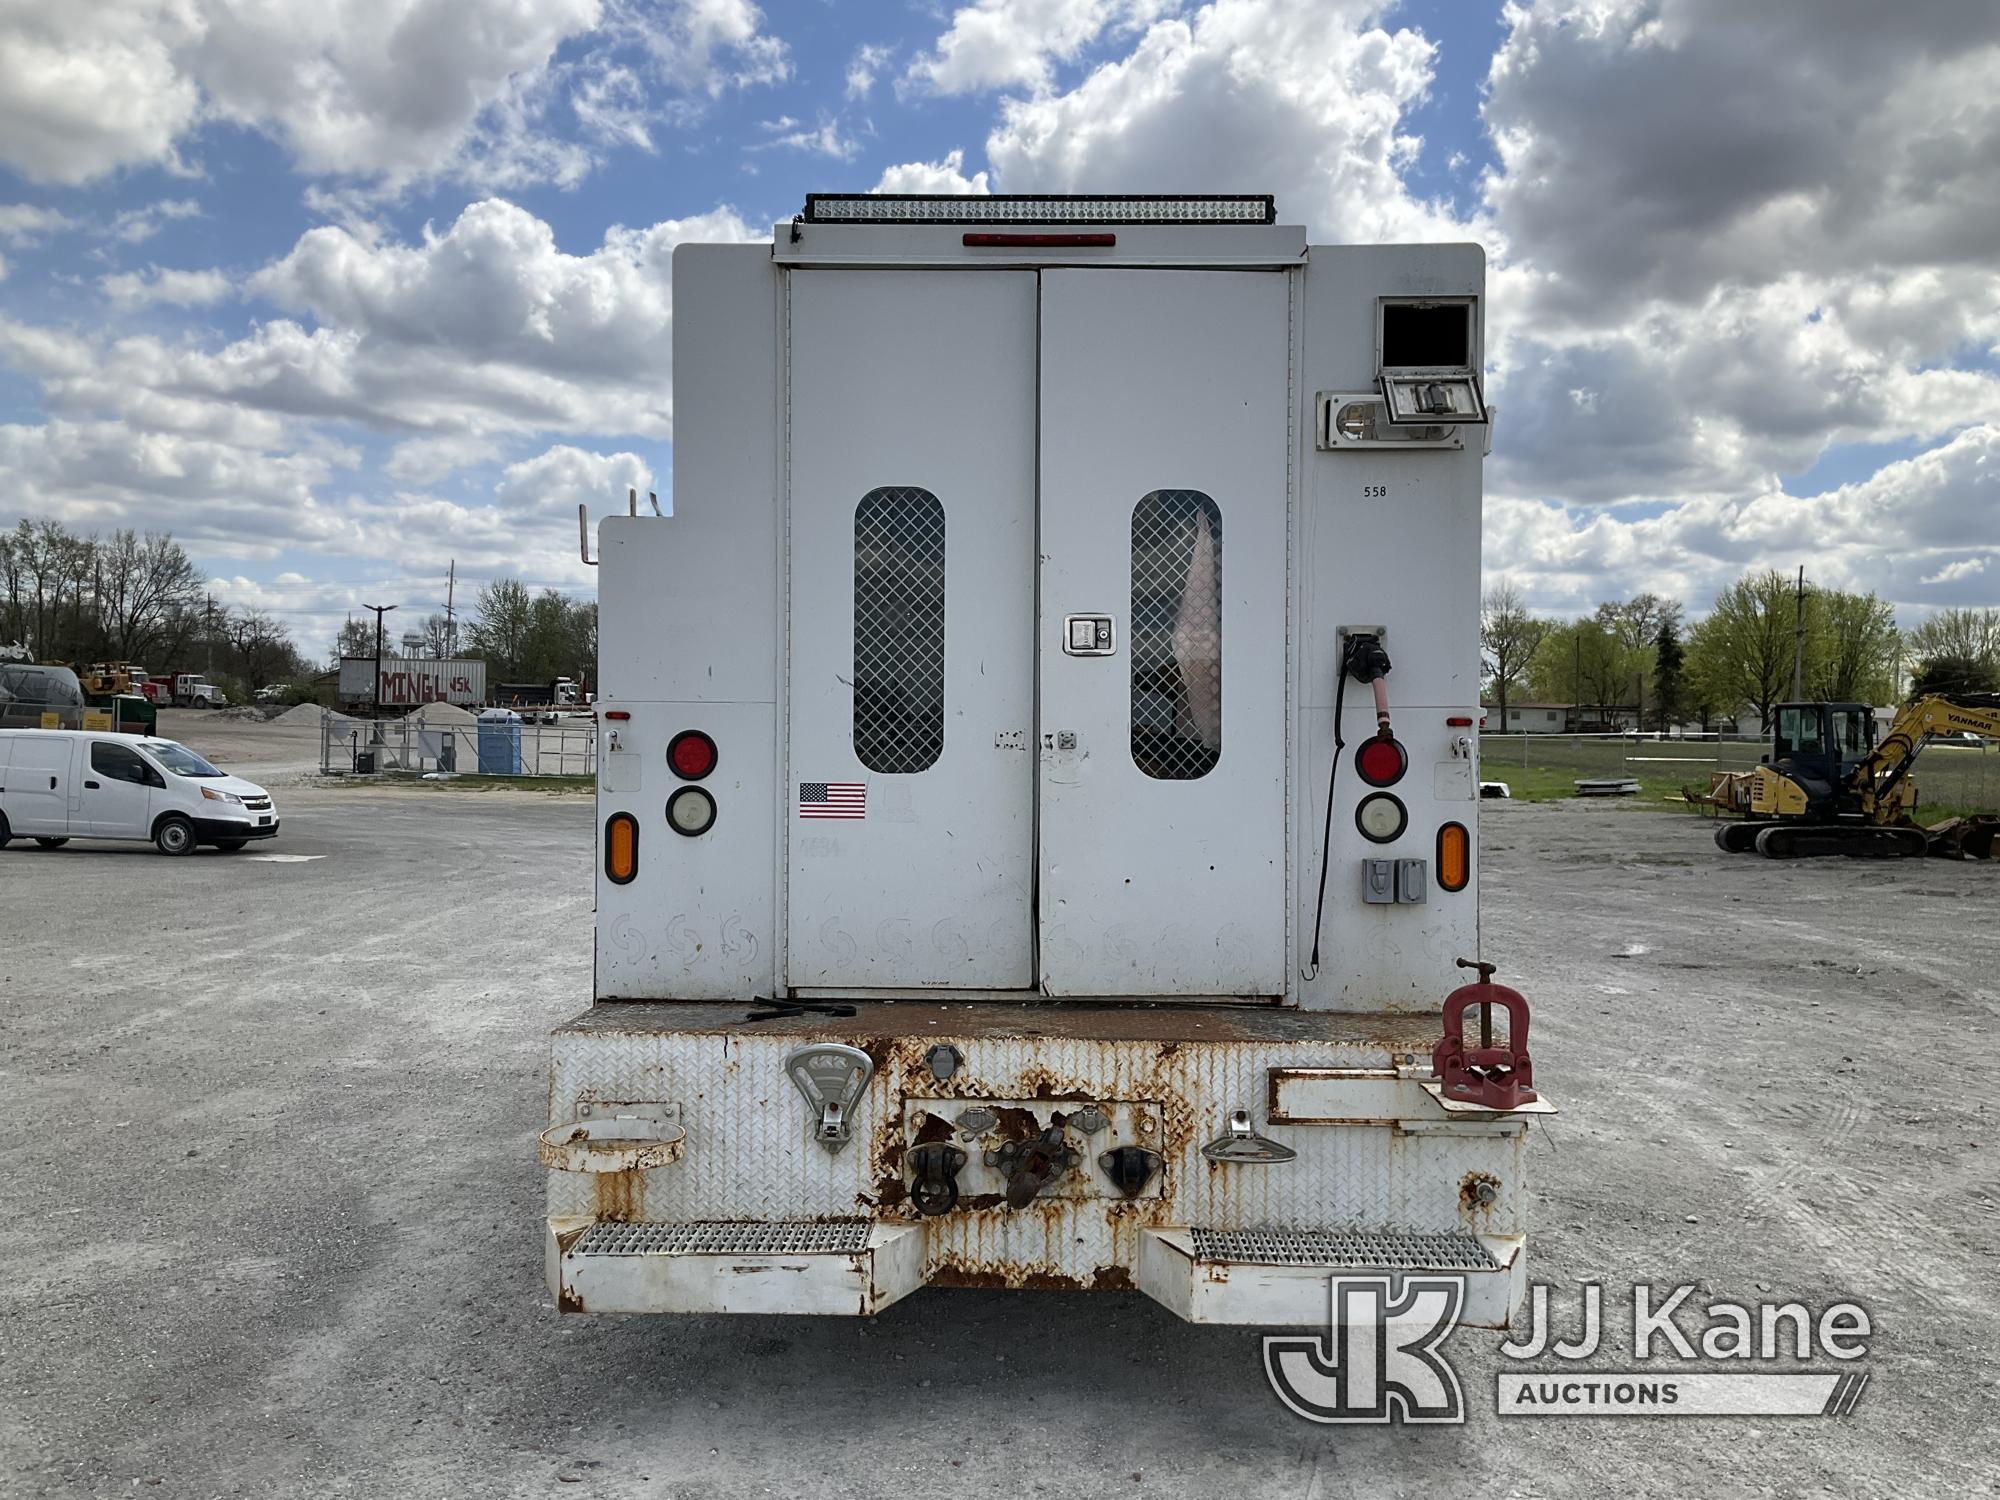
136 225
823 139
1965 567
999 44
85 89
25 224
466 346
1891 532
1245 95
175 288
384 91
555 482
942 177
861 70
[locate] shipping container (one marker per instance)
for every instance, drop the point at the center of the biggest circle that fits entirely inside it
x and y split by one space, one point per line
408 682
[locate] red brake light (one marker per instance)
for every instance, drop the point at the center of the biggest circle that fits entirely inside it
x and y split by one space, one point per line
691 754
1039 241
1381 762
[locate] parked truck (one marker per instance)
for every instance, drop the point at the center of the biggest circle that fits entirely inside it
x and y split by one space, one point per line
545 702
191 690
409 682
1036 805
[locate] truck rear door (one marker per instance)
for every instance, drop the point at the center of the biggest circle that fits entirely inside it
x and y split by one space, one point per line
1037 563
1163 479
911 782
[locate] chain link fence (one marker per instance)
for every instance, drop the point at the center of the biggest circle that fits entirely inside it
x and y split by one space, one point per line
411 746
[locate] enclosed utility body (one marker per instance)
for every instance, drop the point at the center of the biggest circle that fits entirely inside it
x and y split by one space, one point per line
974 902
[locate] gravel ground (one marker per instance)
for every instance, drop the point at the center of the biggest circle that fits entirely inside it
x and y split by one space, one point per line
274 1216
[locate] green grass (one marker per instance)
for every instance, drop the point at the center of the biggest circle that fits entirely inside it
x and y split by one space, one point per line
1951 781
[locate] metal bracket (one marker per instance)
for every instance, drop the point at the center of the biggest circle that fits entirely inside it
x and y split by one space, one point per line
1240 1144
832 1076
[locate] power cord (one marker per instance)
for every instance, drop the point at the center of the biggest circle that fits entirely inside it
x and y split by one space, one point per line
1362 657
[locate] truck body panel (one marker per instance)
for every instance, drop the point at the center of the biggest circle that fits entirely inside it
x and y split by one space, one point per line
967 726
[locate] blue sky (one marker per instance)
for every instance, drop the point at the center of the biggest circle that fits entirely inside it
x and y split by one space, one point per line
340 294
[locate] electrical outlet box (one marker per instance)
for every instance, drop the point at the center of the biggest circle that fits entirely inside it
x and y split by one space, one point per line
1378 882
1412 882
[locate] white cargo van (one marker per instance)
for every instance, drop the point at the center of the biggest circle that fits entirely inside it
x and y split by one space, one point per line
1019 863
59 784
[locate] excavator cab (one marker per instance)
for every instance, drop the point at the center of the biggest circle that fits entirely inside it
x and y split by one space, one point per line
1819 745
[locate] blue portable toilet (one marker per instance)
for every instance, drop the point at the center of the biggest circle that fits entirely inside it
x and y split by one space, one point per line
499 742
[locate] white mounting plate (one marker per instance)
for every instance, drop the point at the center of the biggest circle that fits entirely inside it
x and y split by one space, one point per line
1346 420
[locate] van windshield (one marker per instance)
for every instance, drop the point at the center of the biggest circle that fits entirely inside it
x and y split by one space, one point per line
179 759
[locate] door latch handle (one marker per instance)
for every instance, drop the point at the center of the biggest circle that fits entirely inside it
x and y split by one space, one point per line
93 786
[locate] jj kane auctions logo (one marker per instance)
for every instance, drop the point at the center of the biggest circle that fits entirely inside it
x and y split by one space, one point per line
1381 1359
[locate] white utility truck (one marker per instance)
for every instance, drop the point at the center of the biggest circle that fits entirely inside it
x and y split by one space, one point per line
1038 778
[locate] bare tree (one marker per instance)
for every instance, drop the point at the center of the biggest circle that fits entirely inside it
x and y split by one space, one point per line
146 589
261 646
437 633
1508 637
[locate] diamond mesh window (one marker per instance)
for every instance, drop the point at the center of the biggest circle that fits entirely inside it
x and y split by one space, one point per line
898 630
1176 635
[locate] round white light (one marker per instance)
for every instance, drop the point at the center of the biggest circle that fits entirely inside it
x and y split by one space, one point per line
1381 818
691 811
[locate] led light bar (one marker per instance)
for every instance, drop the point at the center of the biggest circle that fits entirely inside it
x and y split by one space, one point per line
1032 208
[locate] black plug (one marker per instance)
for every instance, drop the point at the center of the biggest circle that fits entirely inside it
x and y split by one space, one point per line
1366 660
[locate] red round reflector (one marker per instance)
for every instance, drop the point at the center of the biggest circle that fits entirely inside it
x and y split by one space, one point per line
691 754
1381 762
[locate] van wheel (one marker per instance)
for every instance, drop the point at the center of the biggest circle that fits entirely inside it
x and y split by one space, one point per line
230 846
6 834
175 835
52 843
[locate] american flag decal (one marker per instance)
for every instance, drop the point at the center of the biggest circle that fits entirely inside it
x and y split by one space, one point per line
833 799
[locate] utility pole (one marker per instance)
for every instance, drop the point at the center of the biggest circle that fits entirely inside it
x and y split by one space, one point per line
1576 679
380 610
1799 640
450 621
208 629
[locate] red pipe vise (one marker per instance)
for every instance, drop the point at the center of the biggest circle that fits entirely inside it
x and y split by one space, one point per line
1498 1077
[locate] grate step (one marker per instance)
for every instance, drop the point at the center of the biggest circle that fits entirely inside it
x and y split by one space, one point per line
800 1237
1357 1248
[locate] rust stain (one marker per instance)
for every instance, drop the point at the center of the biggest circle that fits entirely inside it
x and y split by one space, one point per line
1478 1193
568 1301
935 1128
619 1196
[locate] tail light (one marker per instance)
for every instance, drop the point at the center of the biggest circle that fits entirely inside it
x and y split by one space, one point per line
1454 857
691 811
1380 761
1381 817
691 754
621 848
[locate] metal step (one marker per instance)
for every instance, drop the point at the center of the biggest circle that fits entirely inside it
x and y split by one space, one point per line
1343 1249
785 1237
1281 1277
831 1266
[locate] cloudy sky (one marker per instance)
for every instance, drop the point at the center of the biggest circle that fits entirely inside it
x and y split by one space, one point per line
337 291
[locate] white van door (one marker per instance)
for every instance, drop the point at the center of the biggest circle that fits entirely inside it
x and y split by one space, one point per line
39 785
909 800
117 792
1165 398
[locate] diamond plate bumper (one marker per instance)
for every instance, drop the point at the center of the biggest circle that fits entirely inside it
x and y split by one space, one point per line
848 1267
1280 1279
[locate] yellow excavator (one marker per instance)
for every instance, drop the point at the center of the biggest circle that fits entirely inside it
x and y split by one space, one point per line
1828 786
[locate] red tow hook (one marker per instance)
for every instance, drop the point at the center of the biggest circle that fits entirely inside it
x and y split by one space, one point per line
1496 1077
